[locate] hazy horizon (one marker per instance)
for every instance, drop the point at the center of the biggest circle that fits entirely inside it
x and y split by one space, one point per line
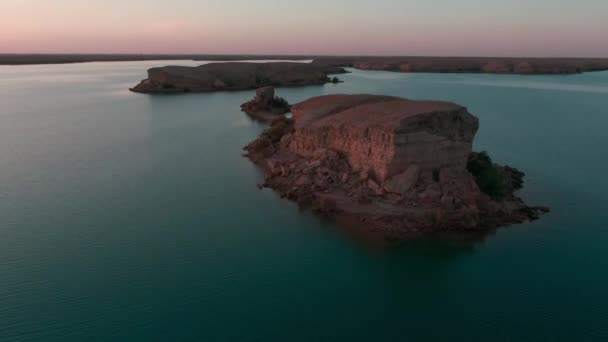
546 28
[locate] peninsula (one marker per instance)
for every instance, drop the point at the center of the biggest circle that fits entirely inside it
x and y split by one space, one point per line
393 165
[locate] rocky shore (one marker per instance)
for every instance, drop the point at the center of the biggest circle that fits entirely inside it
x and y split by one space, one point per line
389 164
233 76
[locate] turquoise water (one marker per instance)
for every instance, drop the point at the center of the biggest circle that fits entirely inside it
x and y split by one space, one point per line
126 217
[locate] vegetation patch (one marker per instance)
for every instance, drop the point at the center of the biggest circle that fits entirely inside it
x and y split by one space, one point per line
488 176
279 102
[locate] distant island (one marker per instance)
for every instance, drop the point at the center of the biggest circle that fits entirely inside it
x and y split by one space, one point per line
493 65
489 65
393 165
234 76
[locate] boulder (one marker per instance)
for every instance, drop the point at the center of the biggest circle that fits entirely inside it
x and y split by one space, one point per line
403 182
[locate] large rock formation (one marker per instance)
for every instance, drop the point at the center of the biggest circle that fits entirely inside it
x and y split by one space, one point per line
385 135
231 76
393 164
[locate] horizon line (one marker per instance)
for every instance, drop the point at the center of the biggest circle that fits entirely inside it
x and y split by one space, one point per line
282 55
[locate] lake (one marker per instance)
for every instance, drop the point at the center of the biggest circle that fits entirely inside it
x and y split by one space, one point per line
128 217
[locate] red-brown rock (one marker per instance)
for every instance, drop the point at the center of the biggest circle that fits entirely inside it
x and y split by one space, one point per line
396 165
385 135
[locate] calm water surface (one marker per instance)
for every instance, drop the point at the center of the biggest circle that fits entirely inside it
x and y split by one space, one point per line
127 217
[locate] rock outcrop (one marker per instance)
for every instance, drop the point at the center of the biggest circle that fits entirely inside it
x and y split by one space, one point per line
266 106
231 76
391 164
384 135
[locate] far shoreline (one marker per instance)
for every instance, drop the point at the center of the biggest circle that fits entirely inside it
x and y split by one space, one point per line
402 64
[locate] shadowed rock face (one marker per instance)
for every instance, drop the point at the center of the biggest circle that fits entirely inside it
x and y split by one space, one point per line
385 135
389 164
230 76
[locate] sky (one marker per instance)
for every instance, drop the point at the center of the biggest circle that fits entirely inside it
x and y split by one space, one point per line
534 28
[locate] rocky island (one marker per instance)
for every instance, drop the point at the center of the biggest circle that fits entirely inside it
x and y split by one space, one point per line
266 106
393 165
233 76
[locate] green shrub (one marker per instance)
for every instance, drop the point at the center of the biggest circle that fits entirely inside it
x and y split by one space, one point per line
335 80
279 102
487 175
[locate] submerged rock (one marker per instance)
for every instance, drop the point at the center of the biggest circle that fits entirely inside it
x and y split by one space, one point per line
400 166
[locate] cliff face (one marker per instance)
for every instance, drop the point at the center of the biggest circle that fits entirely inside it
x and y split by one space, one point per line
395 165
385 135
231 76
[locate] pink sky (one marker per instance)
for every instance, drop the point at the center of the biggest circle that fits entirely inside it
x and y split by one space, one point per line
381 27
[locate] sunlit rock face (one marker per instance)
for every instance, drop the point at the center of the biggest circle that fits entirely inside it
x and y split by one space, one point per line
385 135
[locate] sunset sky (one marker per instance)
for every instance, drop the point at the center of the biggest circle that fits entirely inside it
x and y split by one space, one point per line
379 27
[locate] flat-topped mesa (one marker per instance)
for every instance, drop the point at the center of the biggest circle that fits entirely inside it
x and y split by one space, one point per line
396 165
384 135
231 76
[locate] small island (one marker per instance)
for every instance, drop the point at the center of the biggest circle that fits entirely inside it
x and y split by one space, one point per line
266 106
390 164
233 76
